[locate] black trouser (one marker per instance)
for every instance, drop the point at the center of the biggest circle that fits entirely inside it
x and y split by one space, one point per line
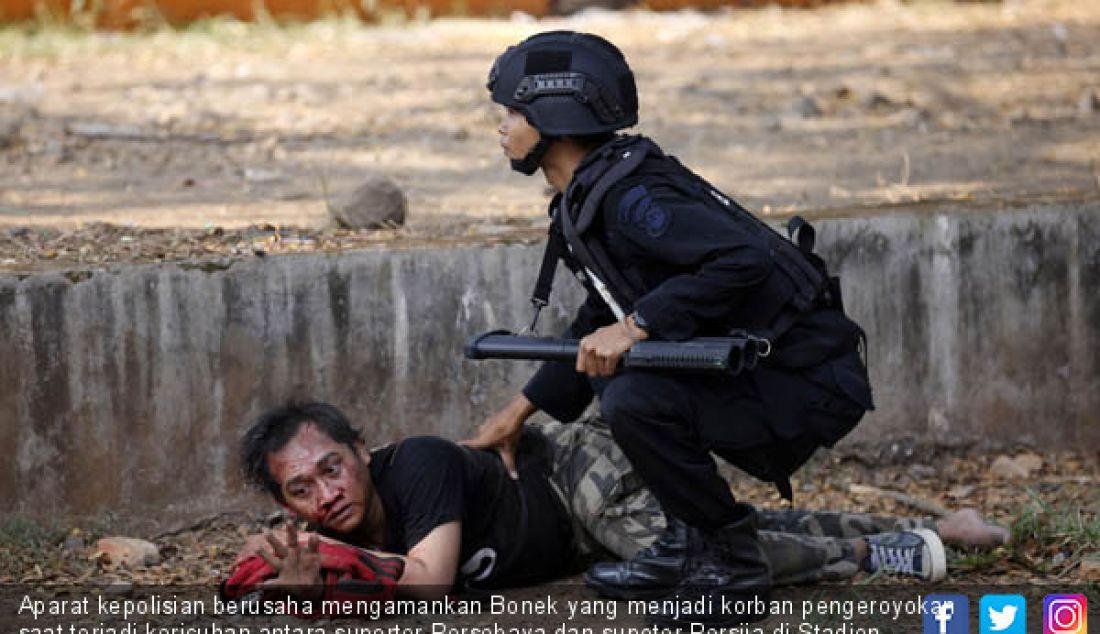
667 424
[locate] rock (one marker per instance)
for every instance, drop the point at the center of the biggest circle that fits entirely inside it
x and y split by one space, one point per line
1022 466
805 107
376 204
97 130
1087 105
1030 462
961 492
875 101
569 7
127 550
10 132
913 117
257 175
922 472
1061 38
1090 567
118 588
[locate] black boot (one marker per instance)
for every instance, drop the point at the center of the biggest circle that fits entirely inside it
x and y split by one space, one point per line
726 580
653 572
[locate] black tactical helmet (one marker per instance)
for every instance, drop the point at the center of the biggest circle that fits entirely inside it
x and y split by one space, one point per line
567 84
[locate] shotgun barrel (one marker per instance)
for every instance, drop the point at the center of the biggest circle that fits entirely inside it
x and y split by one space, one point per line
704 354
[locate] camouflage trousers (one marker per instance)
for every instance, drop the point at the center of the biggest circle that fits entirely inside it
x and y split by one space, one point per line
614 512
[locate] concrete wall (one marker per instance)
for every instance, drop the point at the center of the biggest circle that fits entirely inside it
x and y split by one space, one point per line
128 388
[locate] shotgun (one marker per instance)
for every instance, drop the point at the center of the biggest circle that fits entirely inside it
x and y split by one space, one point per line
732 354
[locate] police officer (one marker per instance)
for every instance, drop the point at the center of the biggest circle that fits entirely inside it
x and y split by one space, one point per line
665 256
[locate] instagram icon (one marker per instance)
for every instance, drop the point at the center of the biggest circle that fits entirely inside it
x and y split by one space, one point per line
1065 614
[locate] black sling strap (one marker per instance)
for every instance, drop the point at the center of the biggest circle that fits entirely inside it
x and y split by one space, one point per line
555 249
565 234
590 254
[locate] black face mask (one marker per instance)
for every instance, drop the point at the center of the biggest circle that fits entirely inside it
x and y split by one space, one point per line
530 163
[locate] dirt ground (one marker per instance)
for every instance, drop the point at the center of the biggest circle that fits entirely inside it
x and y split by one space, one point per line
228 138
1053 514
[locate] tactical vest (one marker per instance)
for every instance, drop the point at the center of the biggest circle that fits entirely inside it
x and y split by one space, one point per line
570 240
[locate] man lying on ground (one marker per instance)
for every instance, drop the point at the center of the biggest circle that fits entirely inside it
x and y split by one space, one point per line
459 521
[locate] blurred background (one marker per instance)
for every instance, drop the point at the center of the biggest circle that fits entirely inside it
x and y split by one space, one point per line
232 114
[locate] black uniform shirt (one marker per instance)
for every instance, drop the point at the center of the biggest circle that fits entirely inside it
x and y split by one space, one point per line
703 273
513 532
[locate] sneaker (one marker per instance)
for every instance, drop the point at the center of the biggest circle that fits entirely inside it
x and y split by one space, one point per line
916 553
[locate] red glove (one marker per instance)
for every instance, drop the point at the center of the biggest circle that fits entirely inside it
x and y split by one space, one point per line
347 573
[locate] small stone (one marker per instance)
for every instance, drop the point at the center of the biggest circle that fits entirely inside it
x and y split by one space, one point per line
257 175
127 550
806 107
10 132
913 117
97 130
1019 467
1029 462
875 100
1061 38
376 204
118 588
1090 567
922 472
961 492
1087 105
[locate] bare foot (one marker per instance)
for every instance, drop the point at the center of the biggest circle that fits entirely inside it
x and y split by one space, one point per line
966 527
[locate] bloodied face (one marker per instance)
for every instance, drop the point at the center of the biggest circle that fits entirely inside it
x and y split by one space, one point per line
322 481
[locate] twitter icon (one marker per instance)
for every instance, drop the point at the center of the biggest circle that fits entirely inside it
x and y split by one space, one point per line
1003 614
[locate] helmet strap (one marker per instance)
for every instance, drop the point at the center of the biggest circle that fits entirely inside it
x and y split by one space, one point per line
530 164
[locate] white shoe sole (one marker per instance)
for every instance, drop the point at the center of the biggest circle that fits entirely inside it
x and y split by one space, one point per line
937 554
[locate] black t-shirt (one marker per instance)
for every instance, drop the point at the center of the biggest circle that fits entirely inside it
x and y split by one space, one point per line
513 533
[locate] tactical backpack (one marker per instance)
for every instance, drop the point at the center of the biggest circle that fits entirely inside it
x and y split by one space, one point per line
579 208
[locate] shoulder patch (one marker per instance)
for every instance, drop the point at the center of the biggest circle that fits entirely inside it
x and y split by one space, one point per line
638 209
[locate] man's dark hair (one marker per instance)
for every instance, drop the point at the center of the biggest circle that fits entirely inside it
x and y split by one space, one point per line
274 429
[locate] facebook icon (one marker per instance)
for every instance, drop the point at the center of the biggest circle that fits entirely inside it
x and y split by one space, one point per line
946 614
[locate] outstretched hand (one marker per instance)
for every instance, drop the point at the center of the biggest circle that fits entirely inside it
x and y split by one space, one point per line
298 567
